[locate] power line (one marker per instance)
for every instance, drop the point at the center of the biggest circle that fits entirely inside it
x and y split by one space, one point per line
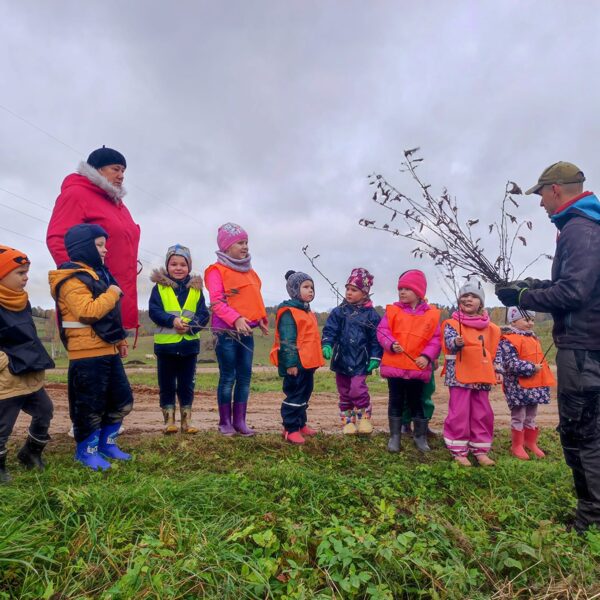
25 199
23 235
22 213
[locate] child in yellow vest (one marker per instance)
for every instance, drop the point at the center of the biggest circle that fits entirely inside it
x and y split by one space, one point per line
527 380
472 365
409 334
297 353
237 308
178 310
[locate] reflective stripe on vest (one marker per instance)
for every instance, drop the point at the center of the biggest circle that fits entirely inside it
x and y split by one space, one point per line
475 361
413 332
308 338
166 335
529 348
242 291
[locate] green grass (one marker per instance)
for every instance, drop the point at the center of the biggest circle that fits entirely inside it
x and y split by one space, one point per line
209 517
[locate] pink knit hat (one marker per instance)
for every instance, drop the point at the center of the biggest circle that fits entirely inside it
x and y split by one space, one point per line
414 280
229 234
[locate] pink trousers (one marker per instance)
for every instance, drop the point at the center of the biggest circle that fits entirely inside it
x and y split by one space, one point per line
469 425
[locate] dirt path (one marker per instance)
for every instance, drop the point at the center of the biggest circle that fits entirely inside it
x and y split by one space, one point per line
264 411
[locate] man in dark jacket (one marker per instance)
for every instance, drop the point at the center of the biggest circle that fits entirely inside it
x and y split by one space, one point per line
573 298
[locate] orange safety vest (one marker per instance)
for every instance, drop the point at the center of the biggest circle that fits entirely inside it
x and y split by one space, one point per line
412 332
308 338
475 361
529 348
242 291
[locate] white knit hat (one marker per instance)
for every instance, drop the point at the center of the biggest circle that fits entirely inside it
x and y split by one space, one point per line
514 313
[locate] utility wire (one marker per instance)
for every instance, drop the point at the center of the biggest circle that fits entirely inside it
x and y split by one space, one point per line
25 199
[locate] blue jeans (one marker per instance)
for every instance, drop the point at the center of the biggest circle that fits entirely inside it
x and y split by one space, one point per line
234 354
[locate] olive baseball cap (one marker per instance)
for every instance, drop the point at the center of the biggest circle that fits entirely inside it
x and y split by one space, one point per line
560 172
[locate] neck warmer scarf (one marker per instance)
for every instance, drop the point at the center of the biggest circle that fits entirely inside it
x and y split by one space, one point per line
11 300
237 264
476 321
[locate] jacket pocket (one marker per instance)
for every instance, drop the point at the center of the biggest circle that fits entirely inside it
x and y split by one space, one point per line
579 415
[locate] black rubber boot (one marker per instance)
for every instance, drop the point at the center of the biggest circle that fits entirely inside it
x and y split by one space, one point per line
4 476
395 434
406 430
420 435
30 455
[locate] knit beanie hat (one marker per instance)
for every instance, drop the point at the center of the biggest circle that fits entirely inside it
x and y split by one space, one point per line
80 244
11 259
361 279
475 288
514 313
179 250
414 280
294 279
229 234
104 156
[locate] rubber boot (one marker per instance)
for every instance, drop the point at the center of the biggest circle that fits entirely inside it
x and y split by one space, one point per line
365 426
87 453
394 443
531 438
516 447
186 420
4 475
30 455
169 417
348 422
239 419
108 443
307 431
420 435
225 426
406 429
295 437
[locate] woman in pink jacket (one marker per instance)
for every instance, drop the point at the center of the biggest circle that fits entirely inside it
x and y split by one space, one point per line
95 195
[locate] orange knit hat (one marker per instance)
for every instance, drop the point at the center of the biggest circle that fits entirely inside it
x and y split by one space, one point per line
11 259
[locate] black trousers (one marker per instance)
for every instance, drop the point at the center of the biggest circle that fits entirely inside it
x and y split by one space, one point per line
297 392
176 378
405 392
37 404
99 394
579 428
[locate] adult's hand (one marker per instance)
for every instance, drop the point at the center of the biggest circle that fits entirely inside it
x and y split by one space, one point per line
510 293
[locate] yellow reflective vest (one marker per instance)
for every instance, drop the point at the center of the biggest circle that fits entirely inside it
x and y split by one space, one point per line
164 335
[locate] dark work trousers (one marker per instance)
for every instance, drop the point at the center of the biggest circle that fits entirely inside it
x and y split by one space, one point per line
37 404
297 392
579 428
99 394
176 376
405 392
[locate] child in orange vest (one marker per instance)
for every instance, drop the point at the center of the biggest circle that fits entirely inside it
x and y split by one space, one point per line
409 333
472 365
527 380
237 308
297 353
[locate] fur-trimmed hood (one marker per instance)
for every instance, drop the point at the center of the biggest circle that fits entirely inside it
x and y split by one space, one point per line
161 277
115 193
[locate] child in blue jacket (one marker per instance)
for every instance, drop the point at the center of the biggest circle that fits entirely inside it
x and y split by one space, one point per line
350 341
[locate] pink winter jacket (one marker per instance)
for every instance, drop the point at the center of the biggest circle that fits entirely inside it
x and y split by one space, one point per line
431 350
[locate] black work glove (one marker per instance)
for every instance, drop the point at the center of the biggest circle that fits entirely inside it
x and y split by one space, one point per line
511 293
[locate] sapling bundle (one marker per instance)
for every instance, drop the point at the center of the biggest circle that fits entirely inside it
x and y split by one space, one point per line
441 234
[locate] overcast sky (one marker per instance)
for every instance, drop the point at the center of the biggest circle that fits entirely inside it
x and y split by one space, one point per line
271 114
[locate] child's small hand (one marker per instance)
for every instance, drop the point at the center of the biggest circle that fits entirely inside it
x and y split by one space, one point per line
241 326
537 368
397 348
263 324
116 288
179 325
421 362
459 342
293 371
124 351
499 378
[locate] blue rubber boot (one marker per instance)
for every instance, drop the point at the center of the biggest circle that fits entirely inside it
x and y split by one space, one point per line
87 453
108 443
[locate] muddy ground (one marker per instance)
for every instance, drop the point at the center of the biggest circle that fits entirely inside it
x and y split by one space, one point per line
263 413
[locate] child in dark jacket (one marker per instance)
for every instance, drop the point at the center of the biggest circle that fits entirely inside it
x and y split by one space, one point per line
297 354
350 341
178 308
23 360
89 315
410 335
527 380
